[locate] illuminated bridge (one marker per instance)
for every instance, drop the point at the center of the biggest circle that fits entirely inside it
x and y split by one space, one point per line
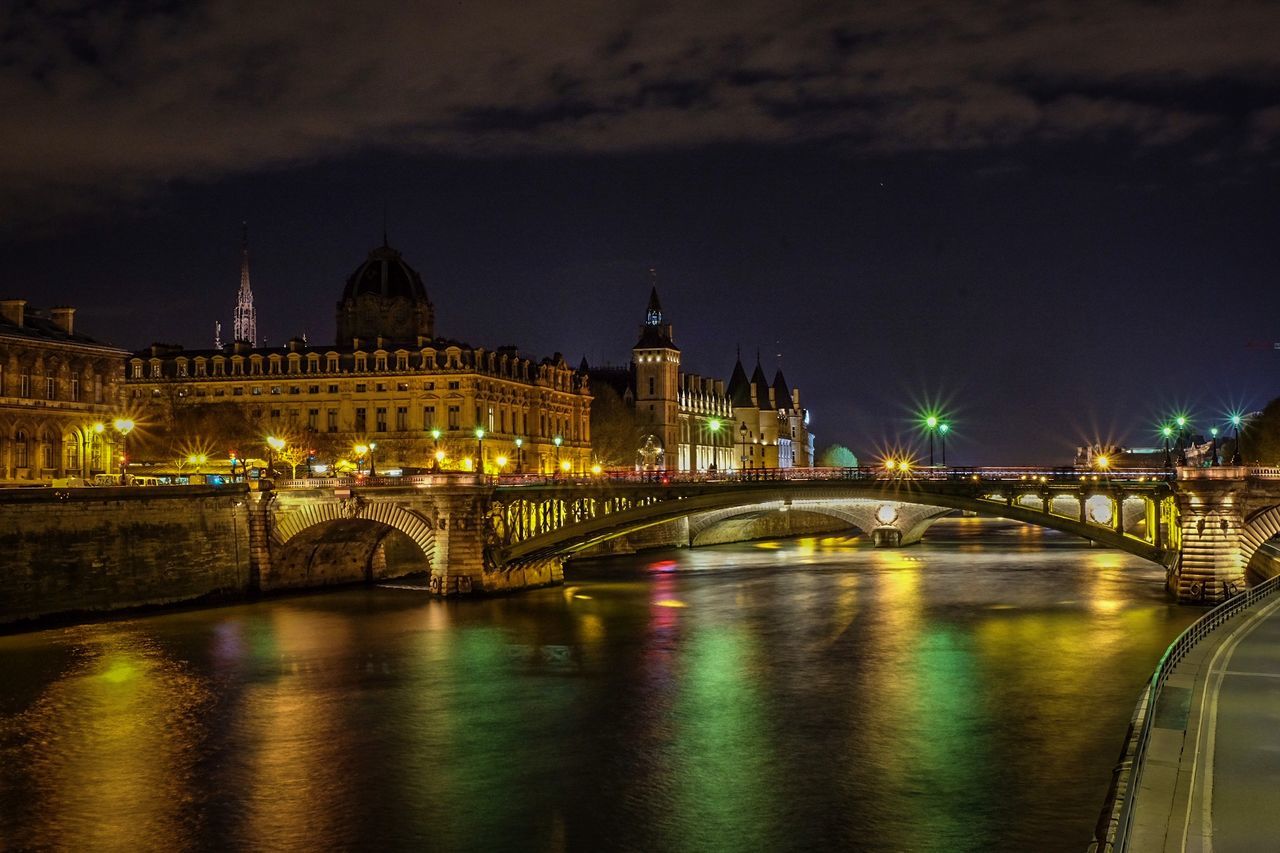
1203 525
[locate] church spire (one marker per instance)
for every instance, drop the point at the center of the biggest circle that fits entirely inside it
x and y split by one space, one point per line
245 327
653 314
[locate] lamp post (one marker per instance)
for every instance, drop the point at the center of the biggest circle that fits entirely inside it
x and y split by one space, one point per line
479 454
436 455
714 426
373 459
274 445
557 441
943 429
519 455
1167 431
931 424
1181 421
361 450
1236 458
1213 435
124 426
742 431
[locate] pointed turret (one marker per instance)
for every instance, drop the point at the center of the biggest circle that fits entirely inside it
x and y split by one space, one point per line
781 393
655 332
739 390
583 368
760 385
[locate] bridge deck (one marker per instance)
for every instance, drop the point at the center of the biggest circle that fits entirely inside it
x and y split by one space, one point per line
1213 761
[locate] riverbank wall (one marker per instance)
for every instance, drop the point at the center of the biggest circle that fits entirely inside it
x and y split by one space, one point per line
90 551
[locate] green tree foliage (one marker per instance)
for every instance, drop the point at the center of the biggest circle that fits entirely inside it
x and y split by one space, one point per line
615 430
1260 437
837 456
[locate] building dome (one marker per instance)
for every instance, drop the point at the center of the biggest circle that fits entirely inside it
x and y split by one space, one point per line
384 302
385 273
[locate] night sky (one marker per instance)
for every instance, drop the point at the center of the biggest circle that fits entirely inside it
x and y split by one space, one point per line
1059 221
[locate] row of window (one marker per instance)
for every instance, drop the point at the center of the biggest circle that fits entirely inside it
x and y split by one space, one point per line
333 363
491 420
27 385
22 454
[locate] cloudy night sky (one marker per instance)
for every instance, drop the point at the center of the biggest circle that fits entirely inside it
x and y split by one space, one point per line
1059 220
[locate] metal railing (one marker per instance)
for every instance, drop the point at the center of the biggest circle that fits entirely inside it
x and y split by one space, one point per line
1026 474
1177 651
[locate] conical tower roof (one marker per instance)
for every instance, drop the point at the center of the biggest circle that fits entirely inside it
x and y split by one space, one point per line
739 390
781 393
761 386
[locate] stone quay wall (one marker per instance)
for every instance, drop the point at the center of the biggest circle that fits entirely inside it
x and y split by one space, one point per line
81 551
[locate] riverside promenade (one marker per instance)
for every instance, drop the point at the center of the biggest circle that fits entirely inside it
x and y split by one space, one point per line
1208 772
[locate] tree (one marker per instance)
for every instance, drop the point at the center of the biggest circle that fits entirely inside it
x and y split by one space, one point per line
615 429
837 456
1260 437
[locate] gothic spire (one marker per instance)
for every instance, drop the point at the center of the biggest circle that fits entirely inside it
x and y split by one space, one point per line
245 326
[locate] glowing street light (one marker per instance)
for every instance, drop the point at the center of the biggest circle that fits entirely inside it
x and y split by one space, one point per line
943 429
274 445
124 426
1167 432
438 454
1213 432
519 455
1102 461
1236 420
480 452
361 451
931 422
557 441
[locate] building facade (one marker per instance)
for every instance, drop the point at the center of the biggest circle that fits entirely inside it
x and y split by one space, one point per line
60 395
696 423
387 384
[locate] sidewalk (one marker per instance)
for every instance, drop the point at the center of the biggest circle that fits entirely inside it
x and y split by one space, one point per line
1211 776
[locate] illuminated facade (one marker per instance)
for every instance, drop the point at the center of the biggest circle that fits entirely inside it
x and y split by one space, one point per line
387 384
60 390
700 424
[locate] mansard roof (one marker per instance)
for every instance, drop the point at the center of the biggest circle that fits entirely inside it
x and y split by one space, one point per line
385 273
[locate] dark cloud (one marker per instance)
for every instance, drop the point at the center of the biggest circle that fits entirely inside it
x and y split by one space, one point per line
105 100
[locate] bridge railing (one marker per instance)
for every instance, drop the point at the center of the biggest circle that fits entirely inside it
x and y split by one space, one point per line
758 475
1177 650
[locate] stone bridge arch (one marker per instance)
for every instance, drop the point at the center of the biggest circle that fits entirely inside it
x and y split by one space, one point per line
333 541
1259 528
907 522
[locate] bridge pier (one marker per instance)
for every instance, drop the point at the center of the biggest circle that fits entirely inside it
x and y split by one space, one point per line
1211 521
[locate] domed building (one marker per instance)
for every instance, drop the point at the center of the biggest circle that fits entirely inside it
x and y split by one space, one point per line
385 300
388 384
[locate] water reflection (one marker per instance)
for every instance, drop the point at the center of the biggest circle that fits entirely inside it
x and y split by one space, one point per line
965 694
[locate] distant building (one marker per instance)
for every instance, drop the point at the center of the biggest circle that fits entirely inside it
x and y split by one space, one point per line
696 423
388 380
60 391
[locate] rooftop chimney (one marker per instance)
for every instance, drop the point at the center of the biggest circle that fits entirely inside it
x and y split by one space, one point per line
64 317
13 310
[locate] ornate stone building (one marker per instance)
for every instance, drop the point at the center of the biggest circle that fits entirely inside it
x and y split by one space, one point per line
60 391
697 423
387 383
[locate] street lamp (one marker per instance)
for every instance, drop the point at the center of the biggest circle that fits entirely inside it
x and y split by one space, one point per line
1213 432
124 426
519 455
373 462
557 441
1235 454
714 426
437 454
479 454
931 426
943 429
742 431
1181 421
274 445
361 450
1167 432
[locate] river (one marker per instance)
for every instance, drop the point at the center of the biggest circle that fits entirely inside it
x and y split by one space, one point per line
968 693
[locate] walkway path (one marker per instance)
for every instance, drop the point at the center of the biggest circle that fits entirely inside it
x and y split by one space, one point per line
1211 779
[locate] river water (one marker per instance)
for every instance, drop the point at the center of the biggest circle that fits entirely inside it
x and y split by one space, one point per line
969 693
